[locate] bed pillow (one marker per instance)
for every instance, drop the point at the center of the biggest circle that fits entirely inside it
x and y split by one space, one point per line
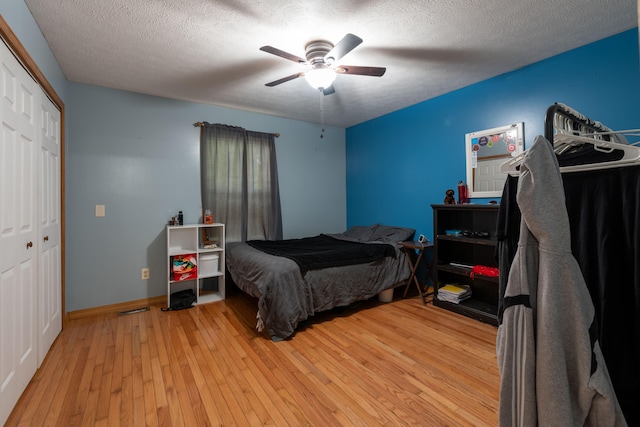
392 234
362 233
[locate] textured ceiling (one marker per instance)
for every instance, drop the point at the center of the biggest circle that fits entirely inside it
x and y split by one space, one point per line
207 51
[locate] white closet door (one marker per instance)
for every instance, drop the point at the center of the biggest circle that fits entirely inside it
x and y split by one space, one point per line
18 230
49 274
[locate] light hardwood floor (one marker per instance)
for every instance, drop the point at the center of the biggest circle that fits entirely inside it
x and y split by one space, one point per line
371 364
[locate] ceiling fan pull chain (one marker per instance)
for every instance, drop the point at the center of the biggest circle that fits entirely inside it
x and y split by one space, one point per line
321 113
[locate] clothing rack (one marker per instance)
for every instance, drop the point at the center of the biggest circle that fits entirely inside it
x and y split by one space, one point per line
581 143
605 237
573 123
580 124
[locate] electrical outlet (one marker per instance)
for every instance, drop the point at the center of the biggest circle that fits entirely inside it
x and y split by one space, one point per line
145 274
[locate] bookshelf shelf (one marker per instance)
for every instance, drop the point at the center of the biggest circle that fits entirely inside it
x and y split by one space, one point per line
452 251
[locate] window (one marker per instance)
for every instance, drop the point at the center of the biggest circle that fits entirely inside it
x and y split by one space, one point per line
239 182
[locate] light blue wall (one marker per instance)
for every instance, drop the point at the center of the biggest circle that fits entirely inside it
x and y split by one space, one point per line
401 163
17 15
139 156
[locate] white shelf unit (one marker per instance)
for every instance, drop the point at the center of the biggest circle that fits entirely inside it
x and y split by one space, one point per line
190 239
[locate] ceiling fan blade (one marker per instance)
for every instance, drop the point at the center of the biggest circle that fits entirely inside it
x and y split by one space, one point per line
283 54
328 91
361 71
344 46
284 79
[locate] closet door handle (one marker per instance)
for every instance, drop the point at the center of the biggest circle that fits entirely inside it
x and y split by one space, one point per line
29 245
46 238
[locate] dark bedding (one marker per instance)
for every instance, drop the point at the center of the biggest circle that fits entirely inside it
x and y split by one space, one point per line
287 297
324 251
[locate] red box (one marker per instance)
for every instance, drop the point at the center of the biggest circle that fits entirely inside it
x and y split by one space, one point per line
184 267
187 275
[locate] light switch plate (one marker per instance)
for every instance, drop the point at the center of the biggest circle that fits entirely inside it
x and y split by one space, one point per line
100 210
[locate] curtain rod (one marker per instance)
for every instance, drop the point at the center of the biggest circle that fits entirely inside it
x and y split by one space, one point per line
200 124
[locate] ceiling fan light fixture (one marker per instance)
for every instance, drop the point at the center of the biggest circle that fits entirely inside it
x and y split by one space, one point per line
320 78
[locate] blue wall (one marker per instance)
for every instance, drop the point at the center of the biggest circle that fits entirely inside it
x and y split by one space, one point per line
401 163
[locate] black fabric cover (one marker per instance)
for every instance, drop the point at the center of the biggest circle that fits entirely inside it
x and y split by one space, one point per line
507 236
604 214
322 251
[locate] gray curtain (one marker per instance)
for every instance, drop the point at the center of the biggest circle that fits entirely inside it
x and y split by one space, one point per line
239 182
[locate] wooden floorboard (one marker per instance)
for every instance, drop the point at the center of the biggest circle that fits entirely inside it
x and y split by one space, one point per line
369 364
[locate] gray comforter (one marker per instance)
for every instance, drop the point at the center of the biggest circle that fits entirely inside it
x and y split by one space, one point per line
286 298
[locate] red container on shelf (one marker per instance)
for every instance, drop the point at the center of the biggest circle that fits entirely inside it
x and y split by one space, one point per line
208 217
189 275
463 193
184 267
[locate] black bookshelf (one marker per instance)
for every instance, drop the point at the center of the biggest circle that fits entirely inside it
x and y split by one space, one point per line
453 252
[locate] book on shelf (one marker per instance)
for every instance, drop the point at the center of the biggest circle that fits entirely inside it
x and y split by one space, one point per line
455 289
453 292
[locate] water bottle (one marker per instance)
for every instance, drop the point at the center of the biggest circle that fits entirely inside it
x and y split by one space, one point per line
180 218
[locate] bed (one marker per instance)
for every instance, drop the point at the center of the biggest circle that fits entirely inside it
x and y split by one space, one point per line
317 273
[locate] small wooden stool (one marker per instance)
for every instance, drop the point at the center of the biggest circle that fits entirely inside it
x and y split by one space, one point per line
421 248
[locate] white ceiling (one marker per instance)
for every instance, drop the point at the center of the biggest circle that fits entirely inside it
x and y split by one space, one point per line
207 51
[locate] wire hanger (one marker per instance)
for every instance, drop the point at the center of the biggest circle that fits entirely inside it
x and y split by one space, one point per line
627 155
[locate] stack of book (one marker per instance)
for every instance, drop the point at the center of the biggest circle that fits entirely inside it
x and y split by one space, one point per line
454 293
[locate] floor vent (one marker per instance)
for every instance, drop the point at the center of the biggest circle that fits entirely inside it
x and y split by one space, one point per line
135 310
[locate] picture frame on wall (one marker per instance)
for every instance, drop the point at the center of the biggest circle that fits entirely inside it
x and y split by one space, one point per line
486 151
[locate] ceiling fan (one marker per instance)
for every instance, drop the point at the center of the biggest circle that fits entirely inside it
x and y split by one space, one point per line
321 56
